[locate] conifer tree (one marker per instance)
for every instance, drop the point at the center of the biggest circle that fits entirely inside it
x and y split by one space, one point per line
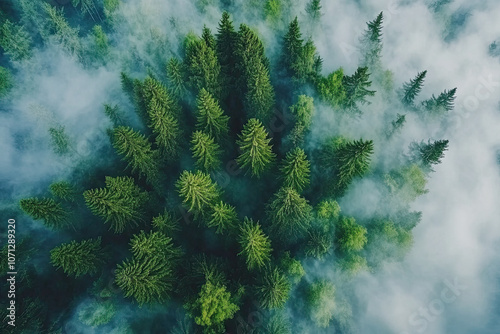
296 170
203 67
58 27
308 65
137 151
63 190
213 307
412 89
289 213
303 111
101 43
332 90
60 140
120 203
441 104
256 151
208 37
115 115
78 258
321 302
154 245
165 127
176 73
15 41
5 81
313 9
147 281
318 243
259 99
353 160
431 153
272 288
197 191
350 236
255 245
52 213
356 88
166 223
205 151
396 125
210 117
224 217
292 268
292 47
371 43
226 39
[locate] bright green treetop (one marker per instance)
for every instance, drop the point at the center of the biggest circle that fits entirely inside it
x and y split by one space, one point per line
272 289
289 213
210 117
165 127
353 160
255 245
223 217
296 170
78 258
154 244
259 99
63 190
350 236
52 213
197 191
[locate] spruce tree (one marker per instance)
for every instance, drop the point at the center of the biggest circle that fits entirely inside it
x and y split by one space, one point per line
223 217
431 153
259 99
308 65
225 42
412 89
206 151
441 104
115 115
203 67
154 245
272 288
371 43
165 127
303 111
176 73
5 81
60 140
207 36
353 160
255 245
356 88
120 203
313 9
63 190
292 47
166 223
289 213
350 236
256 151
15 41
318 243
396 125
210 118
197 191
137 151
78 258
296 170
50 211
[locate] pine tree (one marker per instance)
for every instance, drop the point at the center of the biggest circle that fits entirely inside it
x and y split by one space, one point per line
396 125
58 27
430 153
165 126
203 67
154 245
15 41
292 268
213 307
78 258
412 89
255 245
63 190
147 281
356 88
296 170
292 47
101 44
313 9
166 223
289 213
350 236
441 104
137 151
205 151
272 288
60 140
197 191
318 243
353 160
321 302
259 99
5 81
371 43
208 37
52 213
224 217
176 73
210 117
256 152
120 203
308 65
226 38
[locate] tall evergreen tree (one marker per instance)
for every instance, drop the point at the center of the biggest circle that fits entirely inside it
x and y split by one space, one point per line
441 104
313 9
197 191
259 99
203 67
60 140
350 236
210 117
120 203
321 302
207 36
78 258
296 170
429 154
115 115
371 43
396 125
356 88
292 47
289 213
308 65
256 151
15 41
272 289
165 127
332 90
176 74
154 245
206 151
224 217
137 151
412 89
166 223
303 111
50 211
353 160
225 41
63 190
255 245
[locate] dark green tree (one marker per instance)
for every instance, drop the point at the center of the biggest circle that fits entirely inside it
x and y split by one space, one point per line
78 258
303 111
63 190
207 36
292 47
224 217
52 213
210 118
5 81
137 151
272 288
292 268
441 104
203 67
115 115
206 151
176 73
259 99
318 243
255 245
396 125
313 9
120 203
154 245
349 235
255 147
166 223
412 89
165 126
15 41
371 43
289 213
353 160
308 65
197 191
226 38
429 154
60 140
296 170
356 89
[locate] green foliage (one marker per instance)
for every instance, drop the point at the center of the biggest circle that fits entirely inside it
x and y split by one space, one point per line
207 36
63 190
87 7
210 117
318 243
120 204
60 140
255 245
407 183
148 280
356 89
137 151
154 245
328 210
441 104
371 43
165 126
224 217
97 313
350 236
429 154
272 288
226 38
115 115
412 89
166 223
289 213
296 170
5 81
313 9
396 125
321 302
101 43
353 160
292 268
292 46
52 213
213 307
59 28
78 258
176 73
259 99
15 41
353 264
308 65
197 191
332 90
256 151
303 111
110 6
